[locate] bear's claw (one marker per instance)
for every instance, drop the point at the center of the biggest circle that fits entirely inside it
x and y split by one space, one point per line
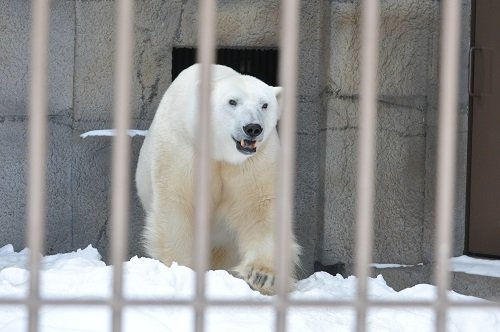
258 278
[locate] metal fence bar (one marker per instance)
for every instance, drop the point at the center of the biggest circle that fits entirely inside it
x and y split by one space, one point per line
37 153
370 16
203 176
121 153
252 303
288 76
449 62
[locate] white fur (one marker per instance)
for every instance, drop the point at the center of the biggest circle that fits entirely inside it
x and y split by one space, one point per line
243 185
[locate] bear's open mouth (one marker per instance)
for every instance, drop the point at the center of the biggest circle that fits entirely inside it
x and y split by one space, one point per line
246 146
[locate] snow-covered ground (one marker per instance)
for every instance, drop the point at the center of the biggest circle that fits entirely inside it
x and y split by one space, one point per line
82 274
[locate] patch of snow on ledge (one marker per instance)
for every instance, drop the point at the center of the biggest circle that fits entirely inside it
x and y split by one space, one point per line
112 132
392 266
470 265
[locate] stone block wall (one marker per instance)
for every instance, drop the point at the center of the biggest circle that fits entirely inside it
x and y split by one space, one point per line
406 153
407 28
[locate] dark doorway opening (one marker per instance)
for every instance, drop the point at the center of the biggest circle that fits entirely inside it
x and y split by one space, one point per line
261 63
483 191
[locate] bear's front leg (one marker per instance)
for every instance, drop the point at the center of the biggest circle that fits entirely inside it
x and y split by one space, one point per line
257 267
168 234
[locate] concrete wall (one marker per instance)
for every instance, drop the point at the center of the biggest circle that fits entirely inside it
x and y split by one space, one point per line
402 106
406 149
80 87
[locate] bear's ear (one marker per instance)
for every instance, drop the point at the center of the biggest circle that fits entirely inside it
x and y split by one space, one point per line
277 91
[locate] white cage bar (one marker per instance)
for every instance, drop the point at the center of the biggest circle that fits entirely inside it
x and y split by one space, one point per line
203 176
448 96
37 153
288 80
121 153
367 153
288 77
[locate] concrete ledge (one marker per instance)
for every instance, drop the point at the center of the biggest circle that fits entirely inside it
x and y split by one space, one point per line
476 285
404 277
468 284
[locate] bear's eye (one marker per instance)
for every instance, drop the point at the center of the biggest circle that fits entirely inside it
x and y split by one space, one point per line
232 102
264 106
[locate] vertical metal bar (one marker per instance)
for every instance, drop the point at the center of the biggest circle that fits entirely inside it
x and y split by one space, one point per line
205 56
288 76
37 151
449 62
370 17
121 152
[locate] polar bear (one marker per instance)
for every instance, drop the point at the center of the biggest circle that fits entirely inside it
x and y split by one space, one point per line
244 151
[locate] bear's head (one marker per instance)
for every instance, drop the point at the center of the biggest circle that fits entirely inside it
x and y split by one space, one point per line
245 112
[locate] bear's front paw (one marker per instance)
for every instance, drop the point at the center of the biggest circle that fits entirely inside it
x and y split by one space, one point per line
258 277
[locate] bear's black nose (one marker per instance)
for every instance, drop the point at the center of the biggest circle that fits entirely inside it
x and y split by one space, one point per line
252 129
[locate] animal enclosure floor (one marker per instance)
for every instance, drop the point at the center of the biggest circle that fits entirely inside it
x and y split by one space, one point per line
82 274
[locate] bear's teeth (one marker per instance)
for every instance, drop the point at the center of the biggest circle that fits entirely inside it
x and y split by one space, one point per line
248 144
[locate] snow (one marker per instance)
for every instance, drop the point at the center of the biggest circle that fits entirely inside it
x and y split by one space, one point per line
485 267
82 274
392 266
112 132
